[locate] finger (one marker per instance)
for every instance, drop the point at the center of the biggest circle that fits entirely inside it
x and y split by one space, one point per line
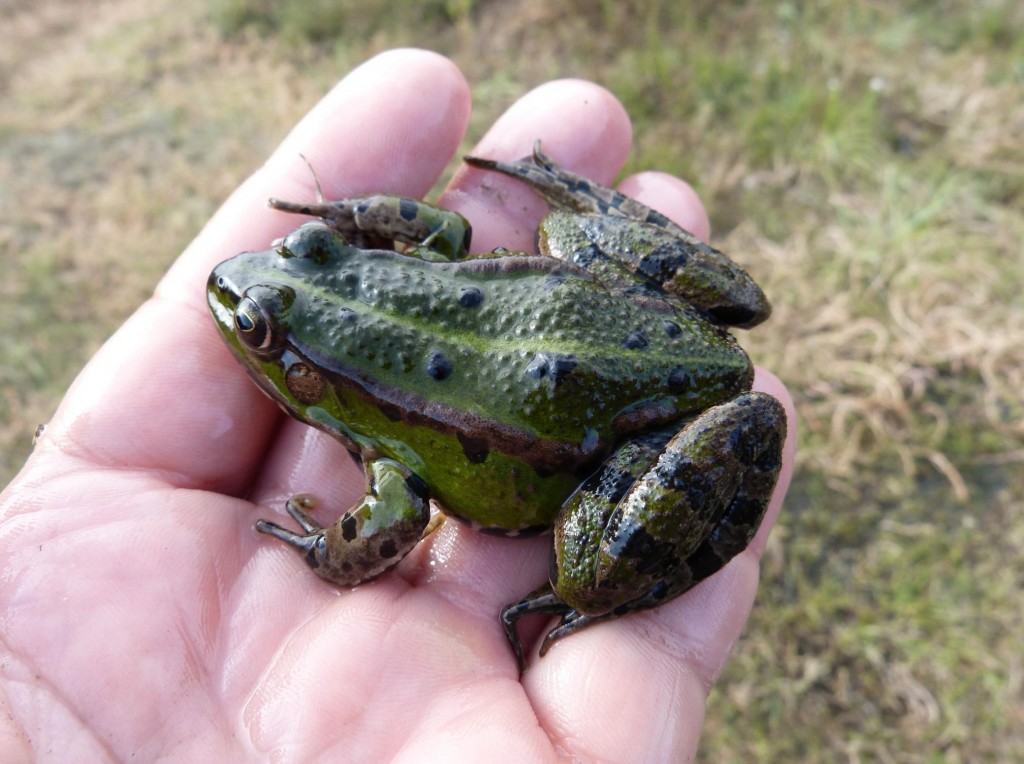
164 392
580 125
672 197
390 126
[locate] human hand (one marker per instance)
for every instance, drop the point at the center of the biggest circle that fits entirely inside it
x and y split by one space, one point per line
143 616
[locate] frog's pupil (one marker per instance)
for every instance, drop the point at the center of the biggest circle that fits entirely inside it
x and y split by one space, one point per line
252 328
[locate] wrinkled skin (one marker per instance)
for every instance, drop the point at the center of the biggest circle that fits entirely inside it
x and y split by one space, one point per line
143 615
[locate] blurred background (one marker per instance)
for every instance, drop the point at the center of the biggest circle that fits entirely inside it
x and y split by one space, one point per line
863 160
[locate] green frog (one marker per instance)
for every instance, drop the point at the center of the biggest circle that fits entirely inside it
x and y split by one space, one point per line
592 390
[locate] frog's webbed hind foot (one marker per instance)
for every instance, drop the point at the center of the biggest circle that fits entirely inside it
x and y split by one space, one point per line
541 601
368 539
563 189
573 621
544 601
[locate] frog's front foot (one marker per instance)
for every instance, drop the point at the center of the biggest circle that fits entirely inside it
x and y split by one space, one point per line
368 539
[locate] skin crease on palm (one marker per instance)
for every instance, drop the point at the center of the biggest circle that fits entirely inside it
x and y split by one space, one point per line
144 617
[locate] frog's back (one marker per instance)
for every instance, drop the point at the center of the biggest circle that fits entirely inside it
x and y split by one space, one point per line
522 353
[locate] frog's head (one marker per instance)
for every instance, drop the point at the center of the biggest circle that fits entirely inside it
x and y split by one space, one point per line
250 304
253 295
258 300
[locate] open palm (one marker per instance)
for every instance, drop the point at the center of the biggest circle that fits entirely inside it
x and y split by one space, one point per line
143 616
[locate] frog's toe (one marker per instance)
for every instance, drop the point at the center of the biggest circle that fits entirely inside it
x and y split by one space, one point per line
538 602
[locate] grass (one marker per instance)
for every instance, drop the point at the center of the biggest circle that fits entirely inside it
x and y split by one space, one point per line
862 159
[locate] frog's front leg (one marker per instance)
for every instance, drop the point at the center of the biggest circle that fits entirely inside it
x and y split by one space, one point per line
368 539
625 543
376 221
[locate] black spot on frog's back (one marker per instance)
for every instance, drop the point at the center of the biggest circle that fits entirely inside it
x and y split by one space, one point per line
470 297
680 380
438 365
555 366
636 340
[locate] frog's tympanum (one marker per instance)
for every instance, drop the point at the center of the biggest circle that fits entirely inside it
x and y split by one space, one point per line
592 389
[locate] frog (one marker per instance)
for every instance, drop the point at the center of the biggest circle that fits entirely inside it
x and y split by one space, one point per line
592 391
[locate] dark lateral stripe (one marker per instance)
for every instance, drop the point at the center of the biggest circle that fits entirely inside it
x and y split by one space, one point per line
544 454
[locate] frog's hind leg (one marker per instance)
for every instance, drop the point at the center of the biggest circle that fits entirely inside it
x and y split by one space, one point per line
566 190
579 524
371 537
606 231
690 514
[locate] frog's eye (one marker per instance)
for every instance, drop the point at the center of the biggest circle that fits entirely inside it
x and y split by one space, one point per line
261 317
253 326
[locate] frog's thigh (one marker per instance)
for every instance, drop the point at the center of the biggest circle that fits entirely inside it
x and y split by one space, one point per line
372 536
699 505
